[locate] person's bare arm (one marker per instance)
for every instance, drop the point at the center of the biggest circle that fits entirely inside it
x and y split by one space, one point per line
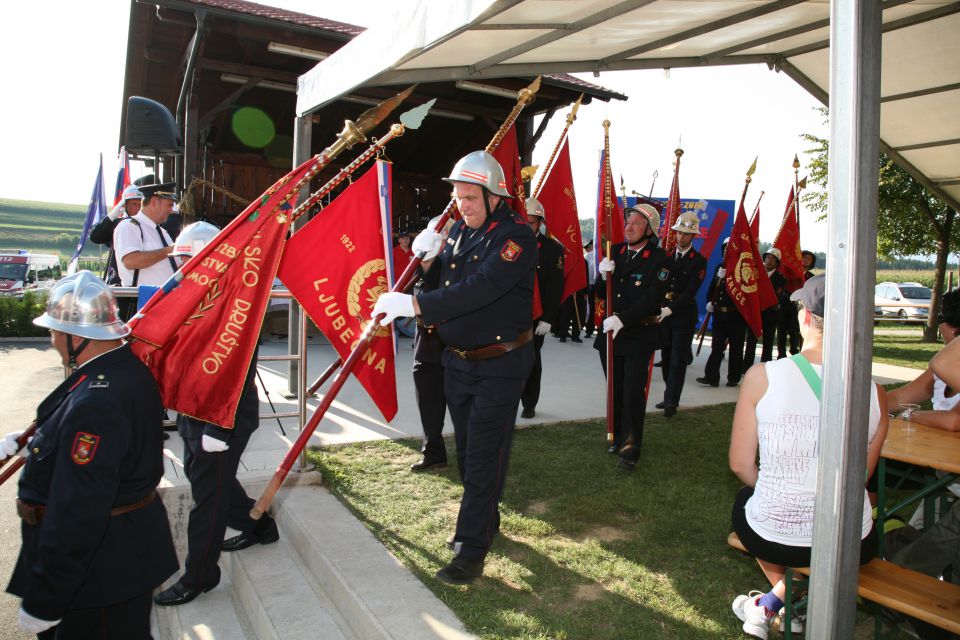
875 445
914 392
744 441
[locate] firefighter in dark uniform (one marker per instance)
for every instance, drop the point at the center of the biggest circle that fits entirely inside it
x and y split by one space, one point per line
211 457
641 276
96 539
809 263
679 316
550 282
769 317
479 291
428 385
729 327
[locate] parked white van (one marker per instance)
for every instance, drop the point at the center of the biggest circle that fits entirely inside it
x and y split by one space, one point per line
22 272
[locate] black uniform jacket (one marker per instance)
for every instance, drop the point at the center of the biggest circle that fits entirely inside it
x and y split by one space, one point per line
102 232
780 287
639 288
686 277
550 278
479 292
723 298
99 445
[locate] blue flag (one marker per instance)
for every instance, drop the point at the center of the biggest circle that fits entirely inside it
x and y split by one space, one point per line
96 210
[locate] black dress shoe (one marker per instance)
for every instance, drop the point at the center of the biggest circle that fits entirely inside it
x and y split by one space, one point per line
178 594
528 412
659 405
613 449
460 571
576 339
707 381
425 464
731 383
563 338
267 534
669 412
627 464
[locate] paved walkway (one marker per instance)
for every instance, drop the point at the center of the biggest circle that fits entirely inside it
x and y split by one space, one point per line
573 389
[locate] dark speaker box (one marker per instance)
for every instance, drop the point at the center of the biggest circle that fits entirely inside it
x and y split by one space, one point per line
151 128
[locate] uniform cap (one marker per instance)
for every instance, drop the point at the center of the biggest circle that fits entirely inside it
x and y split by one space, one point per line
132 193
687 223
534 208
193 238
163 190
812 295
772 252
649 212
482 169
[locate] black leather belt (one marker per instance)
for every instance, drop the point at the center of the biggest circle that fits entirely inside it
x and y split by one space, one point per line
493 350
33 514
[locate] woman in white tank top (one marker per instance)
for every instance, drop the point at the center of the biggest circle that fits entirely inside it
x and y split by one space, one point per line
928 386
778 418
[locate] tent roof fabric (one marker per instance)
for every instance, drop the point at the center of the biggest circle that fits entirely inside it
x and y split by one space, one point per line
477 39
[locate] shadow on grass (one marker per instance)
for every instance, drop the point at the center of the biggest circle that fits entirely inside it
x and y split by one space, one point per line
586 550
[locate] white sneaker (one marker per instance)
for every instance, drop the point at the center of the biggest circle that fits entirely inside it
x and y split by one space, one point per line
739 601
756 622
796 621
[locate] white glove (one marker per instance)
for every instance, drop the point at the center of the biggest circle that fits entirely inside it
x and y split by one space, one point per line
613 323
9 446
542 328
34 626
710 307
666 312
213 445
427 242
722 272
606 266
116 211
394 305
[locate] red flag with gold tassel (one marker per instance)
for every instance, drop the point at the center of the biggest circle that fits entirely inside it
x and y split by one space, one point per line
668 238
560 206
336 267
746 279
198 333
508 155
788 241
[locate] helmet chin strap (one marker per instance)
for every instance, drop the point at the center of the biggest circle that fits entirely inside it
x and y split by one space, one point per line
73 352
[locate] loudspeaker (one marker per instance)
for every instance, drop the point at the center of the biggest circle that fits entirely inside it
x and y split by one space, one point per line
151 128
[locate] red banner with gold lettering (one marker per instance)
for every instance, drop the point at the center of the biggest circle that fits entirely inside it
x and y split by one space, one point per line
198 333
560 208
746 280
507 154
788 241
336 267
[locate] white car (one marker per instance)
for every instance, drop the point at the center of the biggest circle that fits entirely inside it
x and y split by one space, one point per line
903 300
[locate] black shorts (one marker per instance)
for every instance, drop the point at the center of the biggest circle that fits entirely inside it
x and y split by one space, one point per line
783 554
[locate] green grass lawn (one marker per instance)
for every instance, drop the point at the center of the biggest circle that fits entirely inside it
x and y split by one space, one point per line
586 550
902 346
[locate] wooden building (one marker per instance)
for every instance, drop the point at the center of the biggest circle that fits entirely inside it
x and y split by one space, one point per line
227 69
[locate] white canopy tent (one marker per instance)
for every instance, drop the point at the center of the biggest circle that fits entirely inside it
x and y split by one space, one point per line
903 102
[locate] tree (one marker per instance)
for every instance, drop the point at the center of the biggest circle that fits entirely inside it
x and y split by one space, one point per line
911 220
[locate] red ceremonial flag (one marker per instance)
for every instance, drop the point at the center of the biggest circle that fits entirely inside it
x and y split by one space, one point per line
508 155
668 239
755 225
614 235
747 280
198 333
123 176
336 267
560 206
788 241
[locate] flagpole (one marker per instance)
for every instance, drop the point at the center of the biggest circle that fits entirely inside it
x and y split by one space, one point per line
556 149
524 98
608 209
756 208
796 191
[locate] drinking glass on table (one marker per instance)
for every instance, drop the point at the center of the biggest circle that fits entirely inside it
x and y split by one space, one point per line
905 415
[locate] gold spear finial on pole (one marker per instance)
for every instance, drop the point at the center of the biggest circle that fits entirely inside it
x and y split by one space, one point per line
748 180
563 134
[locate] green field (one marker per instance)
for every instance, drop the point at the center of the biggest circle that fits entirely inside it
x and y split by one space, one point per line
42 227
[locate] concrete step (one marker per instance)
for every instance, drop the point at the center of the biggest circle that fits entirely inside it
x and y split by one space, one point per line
327 577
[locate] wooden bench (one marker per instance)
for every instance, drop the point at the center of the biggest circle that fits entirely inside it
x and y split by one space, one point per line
903 590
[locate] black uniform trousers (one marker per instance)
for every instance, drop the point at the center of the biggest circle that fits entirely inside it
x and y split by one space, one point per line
128 620
484 411
428 384
788 327
630 374
675 341
728 327
769 319
531 390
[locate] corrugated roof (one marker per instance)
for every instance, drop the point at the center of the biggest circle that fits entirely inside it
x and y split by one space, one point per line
281 15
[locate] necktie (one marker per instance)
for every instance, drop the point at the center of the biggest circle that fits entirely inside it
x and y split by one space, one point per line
163 241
